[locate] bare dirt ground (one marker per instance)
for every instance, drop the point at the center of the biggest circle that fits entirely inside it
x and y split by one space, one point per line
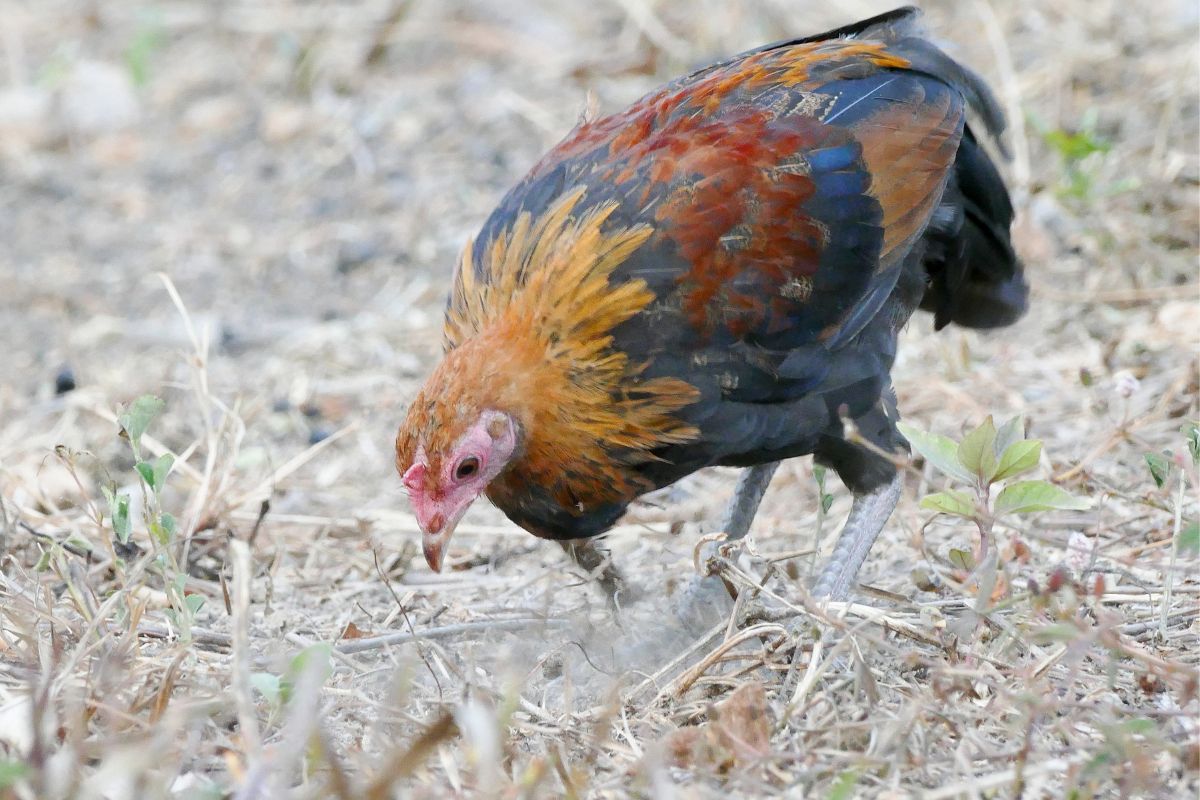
304 174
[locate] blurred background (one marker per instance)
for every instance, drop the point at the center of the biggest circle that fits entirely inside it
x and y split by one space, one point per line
304 174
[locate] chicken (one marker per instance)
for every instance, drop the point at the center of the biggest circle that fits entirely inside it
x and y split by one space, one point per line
717 276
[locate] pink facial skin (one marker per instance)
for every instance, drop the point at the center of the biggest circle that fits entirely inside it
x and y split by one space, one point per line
473 461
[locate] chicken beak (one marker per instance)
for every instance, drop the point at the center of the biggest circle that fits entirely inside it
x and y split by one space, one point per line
436 539
434 545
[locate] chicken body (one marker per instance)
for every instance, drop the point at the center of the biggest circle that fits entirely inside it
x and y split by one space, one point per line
716 276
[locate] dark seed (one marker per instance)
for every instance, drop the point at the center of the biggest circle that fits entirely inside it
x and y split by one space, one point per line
64 381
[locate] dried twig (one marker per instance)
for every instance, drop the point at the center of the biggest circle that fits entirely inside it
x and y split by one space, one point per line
447 631
239 555
396 768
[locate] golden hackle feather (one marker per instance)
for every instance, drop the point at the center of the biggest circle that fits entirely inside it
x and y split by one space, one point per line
533 338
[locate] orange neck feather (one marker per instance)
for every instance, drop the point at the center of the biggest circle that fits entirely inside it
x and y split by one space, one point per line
529 334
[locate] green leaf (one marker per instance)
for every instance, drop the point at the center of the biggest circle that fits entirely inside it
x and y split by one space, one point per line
268 685
1191 433
316 656
1058 632
1094 765
1018 458
962 559
118 510
950 501
168 526
938 450
1160 467
77 541
1076 146
319 655
46 558
1009 434
162 468
977 451
1139 726
205 791
826 498
843 787
1026 496
194 602
11 772
138 416
1188 540
154 473
137 56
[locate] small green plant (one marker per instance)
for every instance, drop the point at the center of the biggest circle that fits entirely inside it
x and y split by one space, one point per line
1185 539
1079 151
123 516
152 474
843 787
985 457
146 42
1125 743
11 772
277 690
826 500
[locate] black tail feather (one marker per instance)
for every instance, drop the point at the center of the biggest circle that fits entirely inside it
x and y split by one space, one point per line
975 278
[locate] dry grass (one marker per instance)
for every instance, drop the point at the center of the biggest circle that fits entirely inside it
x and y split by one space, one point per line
304 173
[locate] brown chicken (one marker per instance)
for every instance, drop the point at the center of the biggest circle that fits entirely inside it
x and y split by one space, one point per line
717 276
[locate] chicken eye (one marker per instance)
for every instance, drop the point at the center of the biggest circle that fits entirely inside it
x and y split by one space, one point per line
466 468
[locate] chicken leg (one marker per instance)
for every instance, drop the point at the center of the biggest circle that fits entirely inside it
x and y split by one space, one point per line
868 515
751 487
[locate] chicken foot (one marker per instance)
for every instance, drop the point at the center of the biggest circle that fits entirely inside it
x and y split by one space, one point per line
588 555
705 599
869 513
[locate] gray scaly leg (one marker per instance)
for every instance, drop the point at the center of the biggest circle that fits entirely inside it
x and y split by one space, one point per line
751 487
867 517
